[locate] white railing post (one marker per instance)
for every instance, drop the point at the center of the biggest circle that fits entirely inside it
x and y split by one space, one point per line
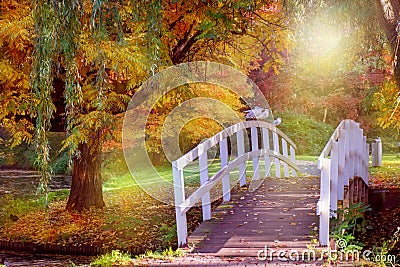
293 159
352 151
348 158
360 150
179 193
206 199
203 193
267 160
334 177
275 139
347 175
285 154
324 201
356 146
365 160
226 186
240 149
254 147
341 165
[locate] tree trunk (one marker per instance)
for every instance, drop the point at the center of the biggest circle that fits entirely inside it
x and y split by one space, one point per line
86 187
388 12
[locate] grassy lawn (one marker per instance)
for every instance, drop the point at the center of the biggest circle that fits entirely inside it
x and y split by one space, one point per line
131 218
386 176
307 158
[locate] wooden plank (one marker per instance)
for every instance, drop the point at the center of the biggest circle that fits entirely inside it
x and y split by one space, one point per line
240 149
226 186
267 160
324 203
293 159
347 174
179 194
191 200
285 154
205 199
352 150
254 147
247 224
334 169
341 166
351 191
227 132
275 139
346 203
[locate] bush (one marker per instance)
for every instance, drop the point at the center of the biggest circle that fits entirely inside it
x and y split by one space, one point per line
24 155
116 257
310 136
61 163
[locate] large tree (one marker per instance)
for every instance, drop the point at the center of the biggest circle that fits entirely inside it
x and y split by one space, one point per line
86 58
387 99
82 44
388 13
338 46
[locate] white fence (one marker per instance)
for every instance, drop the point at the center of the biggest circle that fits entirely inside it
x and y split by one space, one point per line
344 173
274 144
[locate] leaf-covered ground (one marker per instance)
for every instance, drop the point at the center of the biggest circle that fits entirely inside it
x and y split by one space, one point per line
131 219
386 176
383 232
384 223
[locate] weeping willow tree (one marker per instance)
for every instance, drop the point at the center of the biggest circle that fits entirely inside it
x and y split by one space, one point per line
83 44
102 50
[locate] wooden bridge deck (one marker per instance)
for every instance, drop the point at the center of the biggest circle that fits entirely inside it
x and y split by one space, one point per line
279 215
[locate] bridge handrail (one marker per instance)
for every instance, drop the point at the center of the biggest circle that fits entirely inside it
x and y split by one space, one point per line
344 157
203 189
287 157
230 131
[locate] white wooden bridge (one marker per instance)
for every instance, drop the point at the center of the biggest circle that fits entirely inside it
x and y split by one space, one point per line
344 179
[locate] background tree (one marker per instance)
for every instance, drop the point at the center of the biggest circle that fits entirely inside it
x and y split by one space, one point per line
82 44
339 57
231 32
388 99
15 64
85 60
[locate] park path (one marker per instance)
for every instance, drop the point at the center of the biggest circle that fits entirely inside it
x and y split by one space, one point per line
278 216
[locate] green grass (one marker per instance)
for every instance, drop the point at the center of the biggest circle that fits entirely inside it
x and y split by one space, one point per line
114 258
307 158
309 135
12 206
165 254
118 176
386 176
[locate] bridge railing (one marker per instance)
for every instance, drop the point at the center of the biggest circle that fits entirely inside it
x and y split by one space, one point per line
344 173
264 142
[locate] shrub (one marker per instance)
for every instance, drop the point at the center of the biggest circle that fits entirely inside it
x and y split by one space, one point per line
116 257
24 155
310 136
